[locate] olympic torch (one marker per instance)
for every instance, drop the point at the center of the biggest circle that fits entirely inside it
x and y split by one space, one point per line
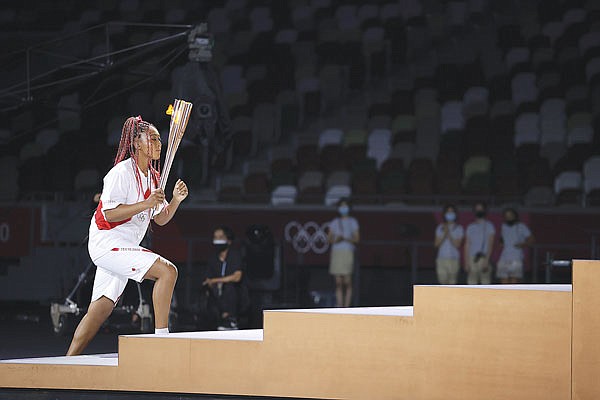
180 115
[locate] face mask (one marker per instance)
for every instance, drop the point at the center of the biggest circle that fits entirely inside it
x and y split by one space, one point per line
450 216
480 214
344 210
220 245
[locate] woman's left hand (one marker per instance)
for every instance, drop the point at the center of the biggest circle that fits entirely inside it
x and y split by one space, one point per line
180 191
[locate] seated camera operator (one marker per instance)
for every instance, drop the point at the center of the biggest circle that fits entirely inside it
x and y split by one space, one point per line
478 247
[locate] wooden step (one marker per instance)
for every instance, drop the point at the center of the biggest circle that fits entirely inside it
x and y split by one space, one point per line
458 342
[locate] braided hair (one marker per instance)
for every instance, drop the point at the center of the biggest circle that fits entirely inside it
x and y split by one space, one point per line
133 128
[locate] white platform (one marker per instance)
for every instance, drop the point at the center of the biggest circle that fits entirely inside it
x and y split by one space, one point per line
545 288
250 334
405 311
107 360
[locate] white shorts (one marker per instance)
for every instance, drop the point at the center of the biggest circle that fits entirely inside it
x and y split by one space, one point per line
117 266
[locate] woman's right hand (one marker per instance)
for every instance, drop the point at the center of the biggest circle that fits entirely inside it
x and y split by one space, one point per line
156 198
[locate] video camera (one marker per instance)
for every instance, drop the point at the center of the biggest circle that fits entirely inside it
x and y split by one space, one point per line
200 44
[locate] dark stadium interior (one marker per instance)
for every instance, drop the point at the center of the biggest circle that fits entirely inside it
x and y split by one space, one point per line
402 106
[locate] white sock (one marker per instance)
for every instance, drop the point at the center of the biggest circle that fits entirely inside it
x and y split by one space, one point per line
161 331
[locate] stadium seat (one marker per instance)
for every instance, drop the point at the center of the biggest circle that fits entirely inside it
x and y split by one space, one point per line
10 178
338 178
264 125
568 188
524 91
421 177
355 146
336 192
517 60
379 144
230 188
331 150
87 181
539 196
284 195
452 116
591 181
68 113
477 175
401 151
404 128
307 151
475 101
333 85
310 187
47 138
242 135
392 185
256 181
577 98
589 45
580 141
310 95
364 180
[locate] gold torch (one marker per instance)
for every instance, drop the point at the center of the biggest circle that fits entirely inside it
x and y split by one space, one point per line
180 115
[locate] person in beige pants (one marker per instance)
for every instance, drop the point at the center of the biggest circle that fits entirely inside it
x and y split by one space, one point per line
343 235
448 239
478 247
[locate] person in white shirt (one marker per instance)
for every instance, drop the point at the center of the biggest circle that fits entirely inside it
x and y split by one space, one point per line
343 236
515 235
448 239
130 199
478 247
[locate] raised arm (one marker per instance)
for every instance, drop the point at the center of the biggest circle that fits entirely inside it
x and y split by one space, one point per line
125 211
180 192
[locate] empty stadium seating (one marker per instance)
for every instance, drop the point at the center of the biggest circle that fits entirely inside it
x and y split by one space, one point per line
403 98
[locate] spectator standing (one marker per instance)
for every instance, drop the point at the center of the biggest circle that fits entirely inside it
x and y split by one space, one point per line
448 239
343 236
478 247
515 235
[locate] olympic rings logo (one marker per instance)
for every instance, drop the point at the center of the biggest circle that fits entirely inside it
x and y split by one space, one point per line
307 237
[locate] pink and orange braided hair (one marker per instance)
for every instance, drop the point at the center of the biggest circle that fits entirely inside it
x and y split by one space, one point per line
133 128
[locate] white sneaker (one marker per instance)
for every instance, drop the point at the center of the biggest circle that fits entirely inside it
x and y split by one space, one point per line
228 324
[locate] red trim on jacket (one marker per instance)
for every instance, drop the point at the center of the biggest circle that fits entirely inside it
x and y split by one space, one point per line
102 223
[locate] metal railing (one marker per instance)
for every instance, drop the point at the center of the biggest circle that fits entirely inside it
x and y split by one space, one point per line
81 69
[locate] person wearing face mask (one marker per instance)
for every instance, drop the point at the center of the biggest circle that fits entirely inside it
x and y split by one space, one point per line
343 236
478 247
515 235
224 273
448 239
